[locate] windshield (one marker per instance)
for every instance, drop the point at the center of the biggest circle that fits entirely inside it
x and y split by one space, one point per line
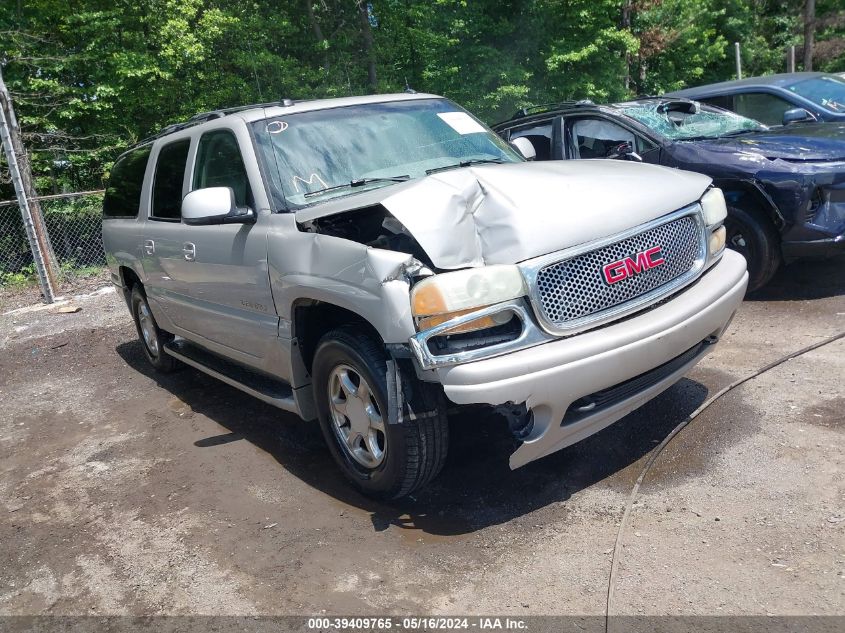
827 92
318 155
682 125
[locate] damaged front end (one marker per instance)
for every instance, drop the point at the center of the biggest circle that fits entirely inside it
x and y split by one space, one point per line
463 276
472 230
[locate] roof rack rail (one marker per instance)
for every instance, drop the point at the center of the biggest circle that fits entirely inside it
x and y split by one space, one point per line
545 107
203 117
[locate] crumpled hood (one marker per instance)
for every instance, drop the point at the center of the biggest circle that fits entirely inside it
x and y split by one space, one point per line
504 214
797 142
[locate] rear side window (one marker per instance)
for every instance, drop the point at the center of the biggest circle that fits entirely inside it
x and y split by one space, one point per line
123 193
167 188
219 164
540 135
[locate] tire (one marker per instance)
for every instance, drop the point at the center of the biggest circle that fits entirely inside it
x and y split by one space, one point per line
151 336
350 390
753 236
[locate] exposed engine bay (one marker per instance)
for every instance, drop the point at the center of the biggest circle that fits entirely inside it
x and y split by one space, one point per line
371 226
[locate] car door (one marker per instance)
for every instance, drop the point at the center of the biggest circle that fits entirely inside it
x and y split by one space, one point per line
161 243
225 276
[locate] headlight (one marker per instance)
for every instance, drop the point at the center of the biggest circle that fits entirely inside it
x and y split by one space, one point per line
441 297
713 207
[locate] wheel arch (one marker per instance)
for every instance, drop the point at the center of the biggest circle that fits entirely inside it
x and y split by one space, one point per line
312 318
744 193
128 279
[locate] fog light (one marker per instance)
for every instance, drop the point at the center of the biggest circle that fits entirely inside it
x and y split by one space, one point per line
717 240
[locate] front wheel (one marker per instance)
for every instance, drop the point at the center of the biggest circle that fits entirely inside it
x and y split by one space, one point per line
382 459
754 237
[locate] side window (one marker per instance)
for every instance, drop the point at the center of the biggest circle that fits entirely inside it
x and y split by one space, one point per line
762 106
595 138
219 164
720 101
123 193
540 135
167 186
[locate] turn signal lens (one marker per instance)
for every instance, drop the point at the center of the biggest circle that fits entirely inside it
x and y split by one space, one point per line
481 323
717 240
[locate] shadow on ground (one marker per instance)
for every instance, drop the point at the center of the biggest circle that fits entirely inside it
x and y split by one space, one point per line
805 279
476 488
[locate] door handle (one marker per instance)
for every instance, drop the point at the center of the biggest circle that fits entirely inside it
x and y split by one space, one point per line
149 247
190 251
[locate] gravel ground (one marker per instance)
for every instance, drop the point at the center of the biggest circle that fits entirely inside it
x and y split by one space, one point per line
125 492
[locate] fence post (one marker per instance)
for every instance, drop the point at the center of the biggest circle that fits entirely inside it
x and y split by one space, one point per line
35 230
45 279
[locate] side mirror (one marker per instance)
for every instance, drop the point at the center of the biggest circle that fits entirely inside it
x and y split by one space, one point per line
214 205
524 147
797 115
624 151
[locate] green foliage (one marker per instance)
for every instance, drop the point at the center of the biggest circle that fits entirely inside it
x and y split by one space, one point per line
91 77
24 278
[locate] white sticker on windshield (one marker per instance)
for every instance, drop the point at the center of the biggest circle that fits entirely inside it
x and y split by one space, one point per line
461 122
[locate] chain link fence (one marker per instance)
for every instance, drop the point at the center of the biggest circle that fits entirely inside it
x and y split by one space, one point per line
73 223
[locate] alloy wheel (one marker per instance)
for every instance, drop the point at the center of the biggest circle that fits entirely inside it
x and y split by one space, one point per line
357 420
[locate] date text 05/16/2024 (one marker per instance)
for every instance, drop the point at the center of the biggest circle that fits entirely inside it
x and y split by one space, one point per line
415 624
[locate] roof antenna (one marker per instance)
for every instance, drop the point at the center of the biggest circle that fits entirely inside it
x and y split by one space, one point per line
408 88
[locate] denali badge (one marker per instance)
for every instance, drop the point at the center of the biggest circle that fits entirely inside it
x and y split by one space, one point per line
632 265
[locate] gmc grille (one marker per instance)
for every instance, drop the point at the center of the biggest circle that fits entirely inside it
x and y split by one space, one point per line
574 290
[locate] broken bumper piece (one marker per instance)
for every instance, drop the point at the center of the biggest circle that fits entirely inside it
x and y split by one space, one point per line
575 387
829 247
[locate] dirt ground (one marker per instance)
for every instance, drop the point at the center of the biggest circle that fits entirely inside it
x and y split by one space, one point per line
124 492
13 297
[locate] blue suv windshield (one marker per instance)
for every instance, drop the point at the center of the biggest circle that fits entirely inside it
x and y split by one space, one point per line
322 154
827 92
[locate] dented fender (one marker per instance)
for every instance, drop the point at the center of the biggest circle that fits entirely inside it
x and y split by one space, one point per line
366 281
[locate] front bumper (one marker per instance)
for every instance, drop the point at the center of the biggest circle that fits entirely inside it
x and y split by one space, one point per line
548 378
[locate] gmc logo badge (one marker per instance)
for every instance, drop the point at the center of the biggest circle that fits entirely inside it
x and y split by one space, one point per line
615 272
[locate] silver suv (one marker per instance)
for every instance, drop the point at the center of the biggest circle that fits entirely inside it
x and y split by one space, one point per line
366 261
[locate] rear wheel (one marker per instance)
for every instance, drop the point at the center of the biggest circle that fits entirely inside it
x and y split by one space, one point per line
382 459
152 337
754 237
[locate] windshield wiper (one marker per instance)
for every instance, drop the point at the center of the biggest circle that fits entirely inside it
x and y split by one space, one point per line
738 132
357 182
465 163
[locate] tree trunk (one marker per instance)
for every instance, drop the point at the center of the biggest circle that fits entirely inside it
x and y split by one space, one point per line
809 33
318 32
369 52
626 25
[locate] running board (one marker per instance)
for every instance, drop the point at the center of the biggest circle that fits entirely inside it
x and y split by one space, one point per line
258 385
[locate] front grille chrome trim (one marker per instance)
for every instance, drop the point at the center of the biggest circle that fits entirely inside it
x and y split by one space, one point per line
531 270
